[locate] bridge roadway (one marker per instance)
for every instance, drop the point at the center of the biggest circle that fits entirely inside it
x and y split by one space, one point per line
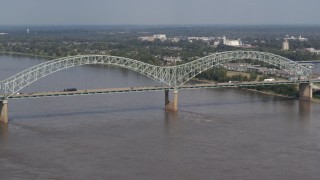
309 61
154 88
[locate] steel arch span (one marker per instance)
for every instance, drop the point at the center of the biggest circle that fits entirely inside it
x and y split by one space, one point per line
173 76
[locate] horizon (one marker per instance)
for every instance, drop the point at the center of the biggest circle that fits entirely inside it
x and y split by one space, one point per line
159 12
153 25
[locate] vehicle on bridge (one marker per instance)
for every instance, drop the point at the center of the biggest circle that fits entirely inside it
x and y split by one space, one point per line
70 89
235 82
269 80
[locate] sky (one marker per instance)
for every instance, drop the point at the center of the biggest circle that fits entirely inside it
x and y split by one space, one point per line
158 12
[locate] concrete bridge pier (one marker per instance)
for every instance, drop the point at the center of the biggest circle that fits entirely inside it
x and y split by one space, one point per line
4 111
172 106
305 91
166 98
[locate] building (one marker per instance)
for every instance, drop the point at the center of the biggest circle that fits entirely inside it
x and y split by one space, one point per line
216 43
239 67
231 42
204 39
162 37
312 50
249 68
151 38
285 45
300 38
175 40
144 38
171 60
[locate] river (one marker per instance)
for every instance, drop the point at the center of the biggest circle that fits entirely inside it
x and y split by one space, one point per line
217 133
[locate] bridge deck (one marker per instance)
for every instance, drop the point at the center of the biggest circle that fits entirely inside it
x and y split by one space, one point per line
151 88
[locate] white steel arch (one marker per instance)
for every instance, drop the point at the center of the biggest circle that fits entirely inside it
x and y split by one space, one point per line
174 76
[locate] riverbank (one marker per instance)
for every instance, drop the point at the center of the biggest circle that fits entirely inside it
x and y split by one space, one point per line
316 100
28 55
269 93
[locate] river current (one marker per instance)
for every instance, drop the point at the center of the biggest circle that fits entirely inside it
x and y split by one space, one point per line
217 133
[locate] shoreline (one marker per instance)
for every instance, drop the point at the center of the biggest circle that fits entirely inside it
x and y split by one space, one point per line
315 100
269 93
28 55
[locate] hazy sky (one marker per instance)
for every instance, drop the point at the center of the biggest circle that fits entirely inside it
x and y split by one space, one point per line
105 12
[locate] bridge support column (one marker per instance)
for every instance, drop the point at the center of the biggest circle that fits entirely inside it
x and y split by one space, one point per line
172 106
175 100
166 98
4 111
305 91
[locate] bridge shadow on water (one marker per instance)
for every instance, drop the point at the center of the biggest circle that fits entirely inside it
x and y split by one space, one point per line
3 133
108 110
305 109
237 102
91 112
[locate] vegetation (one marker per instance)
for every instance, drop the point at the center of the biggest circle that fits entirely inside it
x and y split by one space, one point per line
220 74
123 41
316 95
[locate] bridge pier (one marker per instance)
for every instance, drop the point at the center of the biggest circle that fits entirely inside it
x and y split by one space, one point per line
166 98
172 106
4 111
305 91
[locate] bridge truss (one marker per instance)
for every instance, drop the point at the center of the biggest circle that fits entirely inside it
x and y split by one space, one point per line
173 76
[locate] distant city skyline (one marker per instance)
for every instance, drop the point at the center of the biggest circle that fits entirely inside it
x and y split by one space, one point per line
158 12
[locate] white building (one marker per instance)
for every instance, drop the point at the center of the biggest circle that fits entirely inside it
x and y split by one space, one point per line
172 59
300 38
175 40
231 42
144 38
216 43
204 39
285 45
162 37
312 50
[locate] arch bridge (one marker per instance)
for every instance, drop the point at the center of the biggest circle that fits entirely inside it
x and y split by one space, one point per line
173 76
